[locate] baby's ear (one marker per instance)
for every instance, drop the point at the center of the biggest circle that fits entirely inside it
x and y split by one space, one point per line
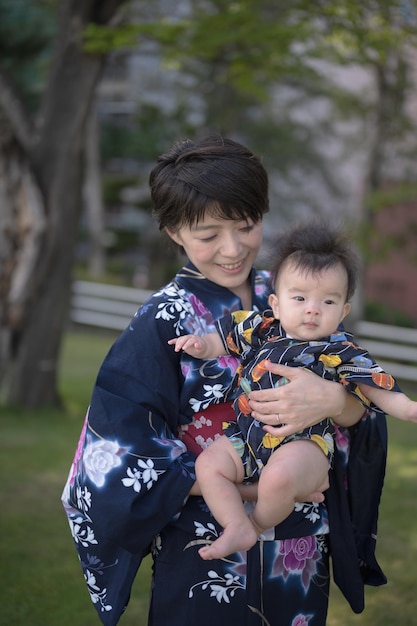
273 303
346 310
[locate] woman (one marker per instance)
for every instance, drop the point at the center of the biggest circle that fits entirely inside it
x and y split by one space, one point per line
132 485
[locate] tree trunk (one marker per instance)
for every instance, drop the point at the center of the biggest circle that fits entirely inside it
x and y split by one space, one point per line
93 198
22 225
33 382
30 334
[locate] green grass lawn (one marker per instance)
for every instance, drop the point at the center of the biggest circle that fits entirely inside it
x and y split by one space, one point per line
41 583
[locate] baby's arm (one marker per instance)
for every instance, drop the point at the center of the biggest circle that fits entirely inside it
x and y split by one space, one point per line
393 403
207 346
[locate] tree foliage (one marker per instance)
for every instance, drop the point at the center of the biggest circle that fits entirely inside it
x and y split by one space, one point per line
26 35
238 52
257 42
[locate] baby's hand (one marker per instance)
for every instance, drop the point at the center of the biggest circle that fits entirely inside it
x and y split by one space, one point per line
191 344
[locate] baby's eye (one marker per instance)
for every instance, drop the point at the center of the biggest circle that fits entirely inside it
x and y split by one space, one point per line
329 302
299 298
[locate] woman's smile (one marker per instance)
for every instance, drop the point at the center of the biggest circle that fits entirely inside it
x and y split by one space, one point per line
232 267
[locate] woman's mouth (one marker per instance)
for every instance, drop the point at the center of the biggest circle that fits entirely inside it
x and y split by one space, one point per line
232 267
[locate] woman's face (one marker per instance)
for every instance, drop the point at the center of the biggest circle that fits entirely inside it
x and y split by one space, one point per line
223 250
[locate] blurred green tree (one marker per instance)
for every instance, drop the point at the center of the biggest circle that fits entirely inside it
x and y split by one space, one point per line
236 51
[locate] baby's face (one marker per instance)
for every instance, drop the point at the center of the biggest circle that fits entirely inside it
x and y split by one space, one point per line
310 305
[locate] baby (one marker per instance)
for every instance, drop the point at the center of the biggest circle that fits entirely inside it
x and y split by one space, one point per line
314 278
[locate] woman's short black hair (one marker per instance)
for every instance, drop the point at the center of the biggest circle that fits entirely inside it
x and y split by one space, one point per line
215 175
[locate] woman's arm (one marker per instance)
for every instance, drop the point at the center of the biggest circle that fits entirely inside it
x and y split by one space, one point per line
304 401
249 492
131 474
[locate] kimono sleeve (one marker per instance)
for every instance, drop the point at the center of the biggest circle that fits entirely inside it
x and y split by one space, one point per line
353 505
131 473
362 369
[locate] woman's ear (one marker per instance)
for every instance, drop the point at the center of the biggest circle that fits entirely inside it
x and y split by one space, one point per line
174 236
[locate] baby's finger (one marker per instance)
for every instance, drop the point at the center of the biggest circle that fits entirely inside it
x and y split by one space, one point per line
191 342
179 342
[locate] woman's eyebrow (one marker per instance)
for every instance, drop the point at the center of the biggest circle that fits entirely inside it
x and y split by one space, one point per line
202 227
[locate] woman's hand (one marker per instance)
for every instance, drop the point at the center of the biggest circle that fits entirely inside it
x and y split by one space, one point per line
304 401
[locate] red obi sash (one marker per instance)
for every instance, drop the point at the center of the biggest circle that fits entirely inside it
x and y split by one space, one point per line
206 426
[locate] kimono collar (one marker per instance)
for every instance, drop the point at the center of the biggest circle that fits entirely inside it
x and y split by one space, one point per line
190 278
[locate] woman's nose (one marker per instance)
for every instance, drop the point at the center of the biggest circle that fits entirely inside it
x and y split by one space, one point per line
231 246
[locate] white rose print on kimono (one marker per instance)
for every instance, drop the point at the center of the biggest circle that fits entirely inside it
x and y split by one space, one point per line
100 457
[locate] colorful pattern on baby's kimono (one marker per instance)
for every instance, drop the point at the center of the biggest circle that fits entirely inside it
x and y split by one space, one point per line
258 338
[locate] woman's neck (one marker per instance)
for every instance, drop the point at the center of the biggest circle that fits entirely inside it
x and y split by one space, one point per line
244 292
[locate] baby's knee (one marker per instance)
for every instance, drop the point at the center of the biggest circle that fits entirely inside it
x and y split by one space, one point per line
203 461
277 479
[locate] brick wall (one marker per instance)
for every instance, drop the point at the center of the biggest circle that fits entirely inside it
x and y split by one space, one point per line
393 280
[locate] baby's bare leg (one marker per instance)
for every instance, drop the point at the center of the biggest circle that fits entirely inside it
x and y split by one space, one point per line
294 470
218 470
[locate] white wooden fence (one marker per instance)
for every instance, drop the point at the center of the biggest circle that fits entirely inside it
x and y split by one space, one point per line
105 306
112 307
394 347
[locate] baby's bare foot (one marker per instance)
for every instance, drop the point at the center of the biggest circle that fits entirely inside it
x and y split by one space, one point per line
234 538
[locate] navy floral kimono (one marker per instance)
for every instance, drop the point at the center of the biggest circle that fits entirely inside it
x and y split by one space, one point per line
151 411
